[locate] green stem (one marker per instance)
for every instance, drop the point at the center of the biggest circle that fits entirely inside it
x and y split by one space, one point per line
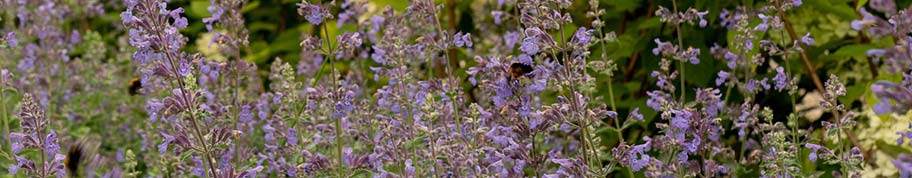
191 109
611 95
788 70
338 121
5 117
680 47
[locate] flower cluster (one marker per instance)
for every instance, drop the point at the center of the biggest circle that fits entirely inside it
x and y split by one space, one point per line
426 88
36 135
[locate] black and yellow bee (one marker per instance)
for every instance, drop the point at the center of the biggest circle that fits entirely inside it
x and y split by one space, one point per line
74 157
520 70
135 85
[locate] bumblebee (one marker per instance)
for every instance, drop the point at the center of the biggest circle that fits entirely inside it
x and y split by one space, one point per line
74 157
519 70
135 85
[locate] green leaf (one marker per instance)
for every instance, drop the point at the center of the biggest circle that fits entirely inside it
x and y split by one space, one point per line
891 149
288 40
860 4
416 142
261 26
198 9
624 6
250 6
399 6
361 173
609 135
260 54
853 93
858 51
652 23
839 7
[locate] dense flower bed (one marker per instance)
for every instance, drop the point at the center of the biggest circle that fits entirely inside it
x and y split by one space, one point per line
508 88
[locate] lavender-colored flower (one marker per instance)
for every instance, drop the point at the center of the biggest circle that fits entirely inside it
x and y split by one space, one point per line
461 40
876 52
179 22
611 114
16 144
907 79
379 54
904 135
163 147
764 25
703 21
529 46
635 114
656 99
723 77
498 16
856 25
198 170
13 169
887 6
583 36
663 48
245 115
680 119
807 40
814 148
749 44
216 11
184 68
887 92
153 106
119 157
268 133
352 10
409 168
636 156
781 79
903 164
732 59
313 13
796 3
711 100
263 108
510 39
348 42
692 54
692 146
291 138
11 39
51 147
752 85
5 77
729 19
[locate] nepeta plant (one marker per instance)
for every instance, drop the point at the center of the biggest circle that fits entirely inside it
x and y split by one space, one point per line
36 135
187 113
425 88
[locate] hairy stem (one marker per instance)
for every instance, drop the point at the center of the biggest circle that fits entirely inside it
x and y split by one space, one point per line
338 121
